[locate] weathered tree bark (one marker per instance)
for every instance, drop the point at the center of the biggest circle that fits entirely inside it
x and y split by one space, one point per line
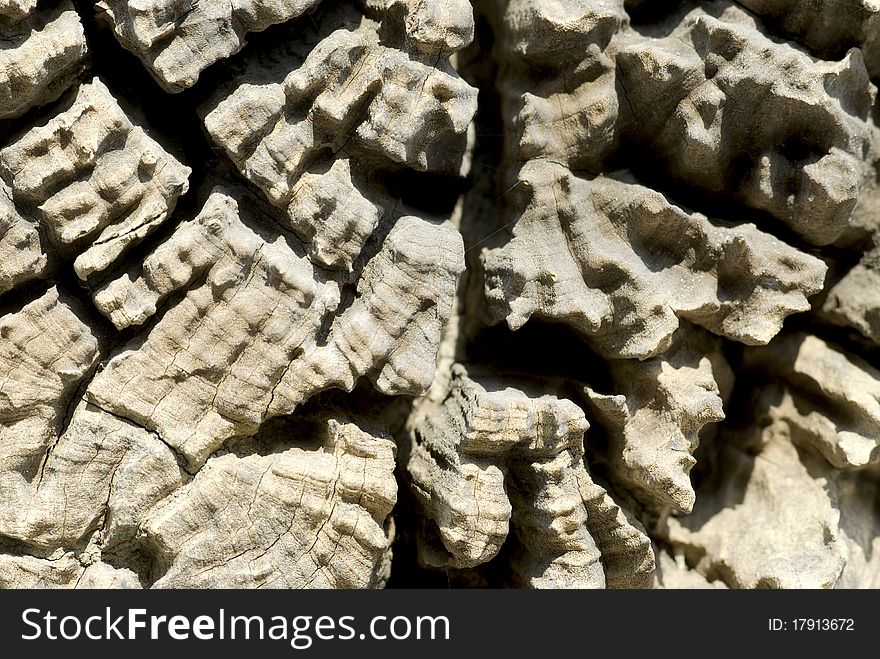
328 293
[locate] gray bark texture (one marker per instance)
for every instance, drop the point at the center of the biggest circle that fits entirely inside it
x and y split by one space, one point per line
377 293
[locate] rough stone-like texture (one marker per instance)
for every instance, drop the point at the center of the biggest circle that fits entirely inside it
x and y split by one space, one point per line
62 572
42 54
780 477
249 339
828 399
329 211
46 351
313 138
96 182
732 112
177 39
492 458
770 524
615 137
120 471
782 518
297 518
655 420
206 371
13 11
350 87
21 252
59 483
555 80
854 301
673 573
828 27
498 293
620 264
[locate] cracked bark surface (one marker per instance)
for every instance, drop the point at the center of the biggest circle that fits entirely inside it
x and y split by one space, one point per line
367 293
